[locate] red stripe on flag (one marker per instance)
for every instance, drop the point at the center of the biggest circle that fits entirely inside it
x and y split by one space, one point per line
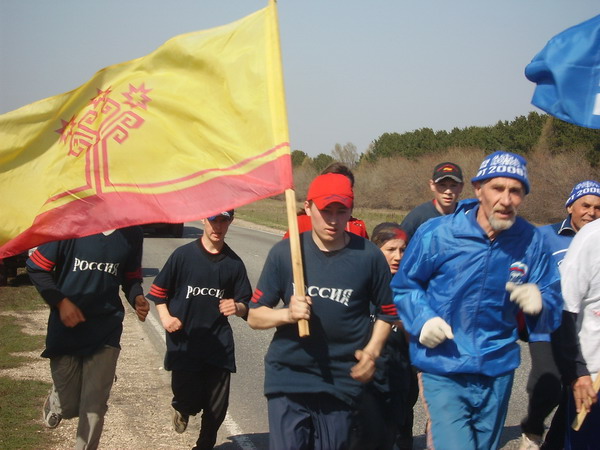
110 210
192 175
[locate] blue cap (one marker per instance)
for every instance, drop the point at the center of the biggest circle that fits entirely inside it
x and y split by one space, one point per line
503 164
228 214
567 74
588 187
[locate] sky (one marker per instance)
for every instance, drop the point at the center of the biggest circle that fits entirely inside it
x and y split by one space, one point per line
353 69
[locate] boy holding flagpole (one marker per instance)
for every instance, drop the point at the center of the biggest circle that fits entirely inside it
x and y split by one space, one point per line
313 383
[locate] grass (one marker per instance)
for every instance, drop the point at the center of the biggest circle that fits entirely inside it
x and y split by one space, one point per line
13 341
374 217
268 212
20 400
20 295
272 213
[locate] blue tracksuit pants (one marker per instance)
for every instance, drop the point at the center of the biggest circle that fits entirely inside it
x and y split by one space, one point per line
467 410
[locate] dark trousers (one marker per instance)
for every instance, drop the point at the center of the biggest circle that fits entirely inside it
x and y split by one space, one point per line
206 391
544 387
384 420
555 437
375 425
308 422
405 438
588 436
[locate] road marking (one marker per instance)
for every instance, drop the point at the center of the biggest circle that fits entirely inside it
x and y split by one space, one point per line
160 331
237 435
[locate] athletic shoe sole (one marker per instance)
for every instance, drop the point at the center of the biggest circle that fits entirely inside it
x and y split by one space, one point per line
50 419
180 421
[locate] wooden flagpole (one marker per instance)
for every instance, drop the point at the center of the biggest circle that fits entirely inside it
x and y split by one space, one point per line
298 271
581 415
290 202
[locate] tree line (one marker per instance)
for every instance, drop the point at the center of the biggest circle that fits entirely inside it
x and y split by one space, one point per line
521 135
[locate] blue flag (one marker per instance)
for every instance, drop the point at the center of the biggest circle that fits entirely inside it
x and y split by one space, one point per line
567 74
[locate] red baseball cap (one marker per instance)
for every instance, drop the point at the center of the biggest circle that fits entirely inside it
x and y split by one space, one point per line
331 188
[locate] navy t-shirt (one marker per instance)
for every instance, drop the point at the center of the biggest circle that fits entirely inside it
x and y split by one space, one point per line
342 286
419 215
191 284
88 271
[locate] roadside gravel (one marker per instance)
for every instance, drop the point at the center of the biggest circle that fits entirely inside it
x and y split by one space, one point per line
138 415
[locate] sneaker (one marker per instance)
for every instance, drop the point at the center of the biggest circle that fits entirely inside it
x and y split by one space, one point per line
530 442
51 419
180 421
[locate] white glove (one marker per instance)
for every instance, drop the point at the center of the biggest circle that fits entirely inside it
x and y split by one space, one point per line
527 296
434 332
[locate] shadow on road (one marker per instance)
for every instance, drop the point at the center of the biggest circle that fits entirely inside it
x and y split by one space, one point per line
510 434
260 441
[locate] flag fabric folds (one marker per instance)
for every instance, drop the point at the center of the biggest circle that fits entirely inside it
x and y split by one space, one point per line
567 73
197 127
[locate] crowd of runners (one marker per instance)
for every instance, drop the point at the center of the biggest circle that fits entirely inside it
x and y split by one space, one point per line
433 306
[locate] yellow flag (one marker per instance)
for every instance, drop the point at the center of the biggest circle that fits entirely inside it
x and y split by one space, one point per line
194 128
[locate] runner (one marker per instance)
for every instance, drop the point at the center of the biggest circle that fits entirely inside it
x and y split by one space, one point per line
451 293
312 383
80 279
581 321
544 386
446 183
385 414
201 285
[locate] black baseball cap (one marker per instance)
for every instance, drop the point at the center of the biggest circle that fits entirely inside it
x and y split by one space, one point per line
228 214
447 170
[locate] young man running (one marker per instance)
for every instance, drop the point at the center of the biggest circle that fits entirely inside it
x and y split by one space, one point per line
446 184
80 280
312 383
200 286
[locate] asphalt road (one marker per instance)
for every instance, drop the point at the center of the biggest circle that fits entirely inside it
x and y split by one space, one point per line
246 425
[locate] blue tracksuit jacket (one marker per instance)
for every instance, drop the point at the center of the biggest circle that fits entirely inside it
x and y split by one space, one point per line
451 269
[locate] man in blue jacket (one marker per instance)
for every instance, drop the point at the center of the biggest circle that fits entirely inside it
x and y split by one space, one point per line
462 281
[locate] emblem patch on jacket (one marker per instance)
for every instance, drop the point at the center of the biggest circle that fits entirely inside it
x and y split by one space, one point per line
517 272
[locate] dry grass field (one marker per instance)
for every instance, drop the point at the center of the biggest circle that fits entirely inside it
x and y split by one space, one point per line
389 188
